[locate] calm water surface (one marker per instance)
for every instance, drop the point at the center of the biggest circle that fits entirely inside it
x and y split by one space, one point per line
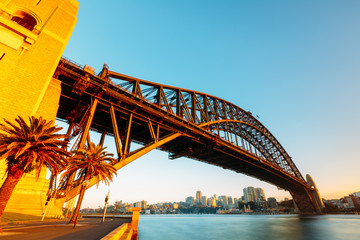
249 227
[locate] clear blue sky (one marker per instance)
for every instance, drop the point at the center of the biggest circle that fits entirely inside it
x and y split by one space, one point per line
296 64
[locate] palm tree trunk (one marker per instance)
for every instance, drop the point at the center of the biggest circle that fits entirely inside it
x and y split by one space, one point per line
13 177
78 205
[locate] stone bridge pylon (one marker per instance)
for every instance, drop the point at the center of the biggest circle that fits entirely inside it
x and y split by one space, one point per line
33 36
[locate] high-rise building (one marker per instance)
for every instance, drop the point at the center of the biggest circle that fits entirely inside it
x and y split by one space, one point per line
224 201
259 193
230 201
141 204
256 195
260 197
249 194
212 202
190 200
203 200
237 202
198 197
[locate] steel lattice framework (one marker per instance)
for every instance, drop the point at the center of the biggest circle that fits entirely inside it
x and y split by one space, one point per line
213 114
183 122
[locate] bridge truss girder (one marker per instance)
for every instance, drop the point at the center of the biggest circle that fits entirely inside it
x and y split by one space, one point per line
199 109
134 110
70 187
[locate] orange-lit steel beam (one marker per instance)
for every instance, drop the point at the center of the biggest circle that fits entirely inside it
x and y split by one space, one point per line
127 141
116 132
152 132
66 196
85 134
102 138
68 133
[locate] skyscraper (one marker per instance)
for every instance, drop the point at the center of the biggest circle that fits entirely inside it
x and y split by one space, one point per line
256 195
230 201
198 197
224 201
203 200
249 194
212 202
259 194
141 204
190 200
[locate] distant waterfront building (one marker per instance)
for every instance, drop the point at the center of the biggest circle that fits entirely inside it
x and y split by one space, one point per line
236 202
260 197
203 200
190 200
224 201
247 209
230 201
356 194
352 201
272 202
342 203
118 205
198 197
141 204
249 194
256 195
259 193
212 202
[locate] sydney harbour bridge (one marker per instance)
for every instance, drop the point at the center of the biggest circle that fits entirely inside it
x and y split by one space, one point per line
182 122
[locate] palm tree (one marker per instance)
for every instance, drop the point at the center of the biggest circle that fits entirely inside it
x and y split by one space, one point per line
27 147
91 162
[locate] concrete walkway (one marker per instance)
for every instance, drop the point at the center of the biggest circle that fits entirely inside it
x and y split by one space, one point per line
87 228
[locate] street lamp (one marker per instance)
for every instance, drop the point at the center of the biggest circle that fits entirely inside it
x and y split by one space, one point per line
106 203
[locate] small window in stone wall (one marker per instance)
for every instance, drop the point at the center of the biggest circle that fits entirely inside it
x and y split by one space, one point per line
24 19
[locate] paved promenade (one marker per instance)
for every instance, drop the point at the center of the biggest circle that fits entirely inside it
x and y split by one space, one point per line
87 228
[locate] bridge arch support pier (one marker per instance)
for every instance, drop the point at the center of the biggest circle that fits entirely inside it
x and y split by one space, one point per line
315 194
308 200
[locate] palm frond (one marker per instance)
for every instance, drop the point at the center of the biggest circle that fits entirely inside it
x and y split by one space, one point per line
93 161
32 145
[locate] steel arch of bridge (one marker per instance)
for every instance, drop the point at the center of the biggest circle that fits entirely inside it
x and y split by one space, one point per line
181 121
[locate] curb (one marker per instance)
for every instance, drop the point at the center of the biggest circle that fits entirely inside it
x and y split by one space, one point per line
30 221
124 230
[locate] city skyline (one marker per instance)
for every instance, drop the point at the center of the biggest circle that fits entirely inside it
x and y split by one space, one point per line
194 199
191 200
295 65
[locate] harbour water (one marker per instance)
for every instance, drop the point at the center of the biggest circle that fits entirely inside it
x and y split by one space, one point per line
249 227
